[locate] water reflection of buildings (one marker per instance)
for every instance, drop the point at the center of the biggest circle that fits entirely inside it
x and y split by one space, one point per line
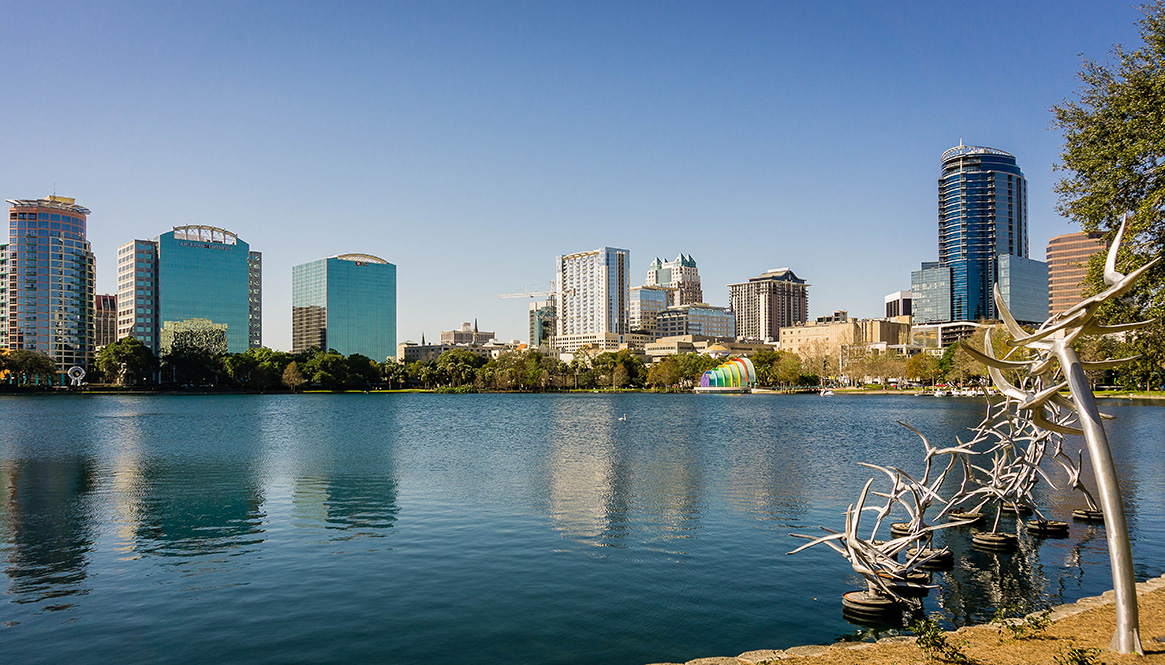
193 508
606 480
45 527
352 505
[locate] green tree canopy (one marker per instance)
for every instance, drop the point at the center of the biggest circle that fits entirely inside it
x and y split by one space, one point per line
1114 163
137 359
31 366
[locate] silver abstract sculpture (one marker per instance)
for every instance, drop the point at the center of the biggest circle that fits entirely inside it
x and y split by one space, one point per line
1054 358
1017 436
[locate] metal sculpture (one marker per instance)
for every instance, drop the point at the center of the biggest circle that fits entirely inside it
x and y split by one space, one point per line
1019 434
1054 358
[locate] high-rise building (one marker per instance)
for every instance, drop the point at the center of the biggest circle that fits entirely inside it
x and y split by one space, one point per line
680 276
195 286
346 303
982 201
646 302
592 293
1068 257
765 304
3 293
104 320
50 276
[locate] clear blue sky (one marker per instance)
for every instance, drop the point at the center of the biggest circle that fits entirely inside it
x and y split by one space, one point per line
469 143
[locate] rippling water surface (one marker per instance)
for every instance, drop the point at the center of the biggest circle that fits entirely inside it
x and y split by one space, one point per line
482 528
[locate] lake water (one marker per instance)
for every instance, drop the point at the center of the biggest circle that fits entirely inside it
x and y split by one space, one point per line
407 528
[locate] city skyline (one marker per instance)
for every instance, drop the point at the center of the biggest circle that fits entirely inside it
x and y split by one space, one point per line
488 139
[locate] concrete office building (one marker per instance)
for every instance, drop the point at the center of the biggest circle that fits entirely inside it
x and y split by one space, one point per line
195 286
49 281
765 304
1068 256
346 303
592 293
468 334
697 319
899 304
680 277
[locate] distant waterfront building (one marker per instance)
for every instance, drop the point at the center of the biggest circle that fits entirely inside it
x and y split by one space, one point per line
983 240
646 302
933 338
466 335
697 319
346 303
592 294
198 283
50 280
680 276
831 337
104 320
1068 257
765 304
543 318
1023 285
3 293
899 303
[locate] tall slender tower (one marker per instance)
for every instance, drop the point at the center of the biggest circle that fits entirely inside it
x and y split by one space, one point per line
50 281
592 293
982 214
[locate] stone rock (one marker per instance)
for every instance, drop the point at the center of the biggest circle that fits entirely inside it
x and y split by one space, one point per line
761 655
1091 601
715 660
853 646
808 650
898 639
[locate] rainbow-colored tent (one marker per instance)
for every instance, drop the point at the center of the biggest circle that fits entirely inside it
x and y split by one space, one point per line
736 373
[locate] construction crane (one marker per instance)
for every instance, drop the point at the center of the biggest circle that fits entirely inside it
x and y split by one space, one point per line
527 293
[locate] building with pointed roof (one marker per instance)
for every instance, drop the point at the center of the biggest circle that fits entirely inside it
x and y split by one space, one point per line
765 304
681 276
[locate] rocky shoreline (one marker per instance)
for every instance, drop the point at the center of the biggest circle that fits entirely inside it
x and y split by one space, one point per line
1086 624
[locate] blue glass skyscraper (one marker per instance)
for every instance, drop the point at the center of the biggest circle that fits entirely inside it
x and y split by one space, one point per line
346 303
983 240
982 214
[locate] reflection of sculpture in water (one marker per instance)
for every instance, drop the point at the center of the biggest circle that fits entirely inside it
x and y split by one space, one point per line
1016 435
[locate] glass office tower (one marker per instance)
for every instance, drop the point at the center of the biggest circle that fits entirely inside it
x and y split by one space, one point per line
196 285
346 303
50 275
982 215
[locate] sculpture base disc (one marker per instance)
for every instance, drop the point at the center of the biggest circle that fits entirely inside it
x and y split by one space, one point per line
942 559
1049 529
995 541
1085 515
911 587
863 603
899 529
969 517
1010 509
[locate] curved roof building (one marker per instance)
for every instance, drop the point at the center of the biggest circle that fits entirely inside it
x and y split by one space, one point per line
736 373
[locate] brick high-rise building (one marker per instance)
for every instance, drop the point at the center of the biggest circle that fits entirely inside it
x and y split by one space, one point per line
1068 257
765 304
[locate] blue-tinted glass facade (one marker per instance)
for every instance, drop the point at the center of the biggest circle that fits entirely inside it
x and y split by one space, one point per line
931 291
199 279
50 274
982 215
1023 283
353 296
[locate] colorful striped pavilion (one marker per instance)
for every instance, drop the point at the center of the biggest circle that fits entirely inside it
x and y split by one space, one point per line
736 375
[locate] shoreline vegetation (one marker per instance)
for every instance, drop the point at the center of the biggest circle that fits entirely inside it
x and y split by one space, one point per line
1081 629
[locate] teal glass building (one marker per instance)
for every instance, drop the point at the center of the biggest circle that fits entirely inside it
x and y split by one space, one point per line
346 303
195 285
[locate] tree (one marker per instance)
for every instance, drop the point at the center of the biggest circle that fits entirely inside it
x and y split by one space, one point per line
460 365
329 369
396 374
1114 161
32 366
923 367
665 373
292 378
127 361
